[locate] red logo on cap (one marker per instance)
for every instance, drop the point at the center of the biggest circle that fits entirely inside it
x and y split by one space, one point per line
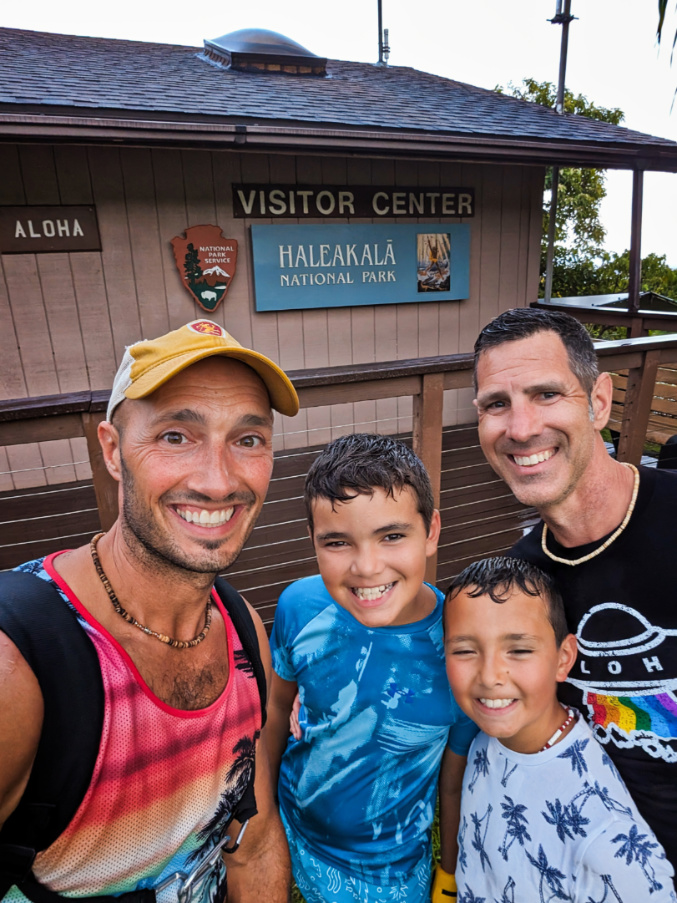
206 327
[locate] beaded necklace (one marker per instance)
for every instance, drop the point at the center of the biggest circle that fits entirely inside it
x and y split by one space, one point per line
571 714
606 543
163 638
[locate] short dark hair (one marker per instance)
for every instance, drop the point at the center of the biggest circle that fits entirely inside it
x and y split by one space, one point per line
362 462
523 322
498 577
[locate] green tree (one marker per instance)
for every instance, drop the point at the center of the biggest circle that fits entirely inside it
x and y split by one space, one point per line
608 273
662 10
580 191
191 265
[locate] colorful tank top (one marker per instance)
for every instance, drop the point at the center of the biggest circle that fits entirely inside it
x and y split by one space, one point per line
165 780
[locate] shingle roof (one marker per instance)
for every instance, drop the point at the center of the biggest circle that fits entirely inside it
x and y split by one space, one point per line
76 76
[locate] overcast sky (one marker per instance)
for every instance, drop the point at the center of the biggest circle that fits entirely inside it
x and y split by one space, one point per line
613 58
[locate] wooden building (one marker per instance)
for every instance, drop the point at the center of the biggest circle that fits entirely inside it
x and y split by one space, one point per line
379 213
156 139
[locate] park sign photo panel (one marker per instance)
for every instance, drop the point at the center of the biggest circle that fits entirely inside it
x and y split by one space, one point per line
301 267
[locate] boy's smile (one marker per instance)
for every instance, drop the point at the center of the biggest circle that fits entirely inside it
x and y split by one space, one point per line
503 665
372 552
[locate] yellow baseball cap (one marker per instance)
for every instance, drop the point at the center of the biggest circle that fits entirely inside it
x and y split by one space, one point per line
147 365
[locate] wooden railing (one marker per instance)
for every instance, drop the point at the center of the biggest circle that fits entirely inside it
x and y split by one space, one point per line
425 380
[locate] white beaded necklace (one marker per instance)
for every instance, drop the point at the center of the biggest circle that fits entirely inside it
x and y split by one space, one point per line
570 715
606 543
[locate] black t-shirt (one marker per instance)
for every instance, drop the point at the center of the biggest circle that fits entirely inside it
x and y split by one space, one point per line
622 606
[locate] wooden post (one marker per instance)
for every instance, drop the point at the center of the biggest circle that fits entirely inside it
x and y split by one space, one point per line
105 487
637 408
428 406
635 281
636 329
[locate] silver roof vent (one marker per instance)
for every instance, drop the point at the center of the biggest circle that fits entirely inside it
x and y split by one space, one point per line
259 50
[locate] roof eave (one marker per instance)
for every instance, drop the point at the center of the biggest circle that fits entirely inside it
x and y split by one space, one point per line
335 139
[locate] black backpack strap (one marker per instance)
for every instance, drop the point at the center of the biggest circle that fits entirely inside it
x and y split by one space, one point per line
246 630
46 631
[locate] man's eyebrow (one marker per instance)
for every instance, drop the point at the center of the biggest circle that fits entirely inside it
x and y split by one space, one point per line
255 420
188 415
485 398
183 415
554 385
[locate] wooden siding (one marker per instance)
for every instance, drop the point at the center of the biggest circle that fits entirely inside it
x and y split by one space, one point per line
480 517
67 317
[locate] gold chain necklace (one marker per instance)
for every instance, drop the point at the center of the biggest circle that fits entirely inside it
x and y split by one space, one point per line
606 543
175 644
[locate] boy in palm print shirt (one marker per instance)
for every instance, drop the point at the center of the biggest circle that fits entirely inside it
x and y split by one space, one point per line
544 813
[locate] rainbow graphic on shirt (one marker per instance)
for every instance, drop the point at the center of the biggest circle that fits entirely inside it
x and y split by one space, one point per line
649 722
626 672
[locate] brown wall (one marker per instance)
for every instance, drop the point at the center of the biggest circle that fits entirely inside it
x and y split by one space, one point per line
65 318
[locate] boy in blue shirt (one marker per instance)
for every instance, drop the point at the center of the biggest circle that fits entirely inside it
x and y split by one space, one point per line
362 644
544 813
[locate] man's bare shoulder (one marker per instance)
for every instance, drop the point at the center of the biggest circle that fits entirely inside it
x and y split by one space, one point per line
21 714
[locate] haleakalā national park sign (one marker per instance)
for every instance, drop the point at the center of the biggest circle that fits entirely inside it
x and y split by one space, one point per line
299 267
206 261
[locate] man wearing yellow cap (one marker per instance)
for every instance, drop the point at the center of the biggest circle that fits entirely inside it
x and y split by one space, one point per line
132 689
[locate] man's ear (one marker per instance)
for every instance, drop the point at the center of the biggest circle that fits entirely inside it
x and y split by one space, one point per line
433 534
109 439
600 400
567 654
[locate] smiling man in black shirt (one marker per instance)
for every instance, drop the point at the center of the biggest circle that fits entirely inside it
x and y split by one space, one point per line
608 535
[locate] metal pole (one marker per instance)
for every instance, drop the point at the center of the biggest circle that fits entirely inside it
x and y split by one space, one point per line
636 242
562 19
564 49
380 33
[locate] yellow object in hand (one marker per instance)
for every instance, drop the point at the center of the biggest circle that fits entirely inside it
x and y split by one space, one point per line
444 887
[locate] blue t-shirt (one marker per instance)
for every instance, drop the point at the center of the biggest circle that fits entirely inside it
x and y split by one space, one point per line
359 788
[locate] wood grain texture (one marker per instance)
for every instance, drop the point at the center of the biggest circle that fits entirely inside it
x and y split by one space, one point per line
69 317
479 515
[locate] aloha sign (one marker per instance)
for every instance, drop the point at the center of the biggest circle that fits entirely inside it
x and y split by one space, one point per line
206 262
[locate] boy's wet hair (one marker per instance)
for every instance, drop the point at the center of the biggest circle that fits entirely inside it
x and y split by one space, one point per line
498 577
524 322
362 462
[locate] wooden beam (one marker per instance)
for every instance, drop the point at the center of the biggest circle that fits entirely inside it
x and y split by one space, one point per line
637 408
428 405
40 429
105 487
318 396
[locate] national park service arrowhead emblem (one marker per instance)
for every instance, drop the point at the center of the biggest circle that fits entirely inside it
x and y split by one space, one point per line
206 261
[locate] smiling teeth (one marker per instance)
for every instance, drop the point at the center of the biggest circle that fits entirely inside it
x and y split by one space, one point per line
533 459
369 593
206 518
496 703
